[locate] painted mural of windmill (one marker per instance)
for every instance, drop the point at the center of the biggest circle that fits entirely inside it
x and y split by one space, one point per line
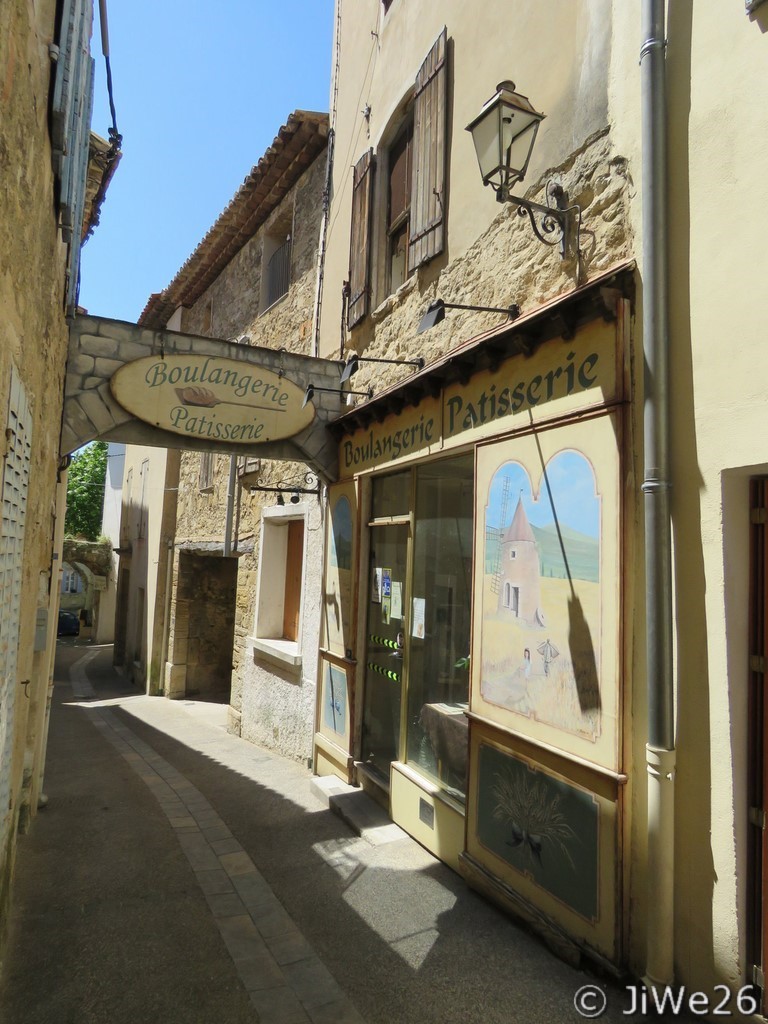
496 581
519 573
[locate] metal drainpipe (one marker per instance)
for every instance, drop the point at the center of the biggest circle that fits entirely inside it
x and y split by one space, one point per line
231 488
660 748
169 559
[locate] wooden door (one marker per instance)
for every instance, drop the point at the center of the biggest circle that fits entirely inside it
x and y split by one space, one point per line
757 885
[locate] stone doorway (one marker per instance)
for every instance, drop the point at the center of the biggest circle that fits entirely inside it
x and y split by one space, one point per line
203 628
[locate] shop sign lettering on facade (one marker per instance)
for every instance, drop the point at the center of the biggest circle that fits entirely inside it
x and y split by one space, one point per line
416 432
211 398
559 378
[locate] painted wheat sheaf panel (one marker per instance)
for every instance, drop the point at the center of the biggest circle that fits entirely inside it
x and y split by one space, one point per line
541 826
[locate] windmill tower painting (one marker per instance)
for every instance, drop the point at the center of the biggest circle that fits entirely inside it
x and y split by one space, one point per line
540 632
519 575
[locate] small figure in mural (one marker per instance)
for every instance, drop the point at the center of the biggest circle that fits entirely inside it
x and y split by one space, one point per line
527 663
549 652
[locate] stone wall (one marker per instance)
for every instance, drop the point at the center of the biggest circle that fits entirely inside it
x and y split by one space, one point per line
33 342
200 641
269 705
506 265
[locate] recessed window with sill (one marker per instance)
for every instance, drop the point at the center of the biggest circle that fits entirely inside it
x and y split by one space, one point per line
407 206
281 579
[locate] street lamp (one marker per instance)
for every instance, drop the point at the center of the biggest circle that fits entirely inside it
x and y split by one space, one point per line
504 133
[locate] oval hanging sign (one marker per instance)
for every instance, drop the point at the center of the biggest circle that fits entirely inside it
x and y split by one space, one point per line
213 399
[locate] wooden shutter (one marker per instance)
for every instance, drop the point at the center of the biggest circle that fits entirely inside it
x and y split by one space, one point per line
360 245
427 236
71 111
294 561
15 484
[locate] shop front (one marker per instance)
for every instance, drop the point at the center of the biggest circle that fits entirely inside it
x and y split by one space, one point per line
472 675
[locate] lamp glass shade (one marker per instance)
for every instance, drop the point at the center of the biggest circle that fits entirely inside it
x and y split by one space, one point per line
504 133
350 367
434 315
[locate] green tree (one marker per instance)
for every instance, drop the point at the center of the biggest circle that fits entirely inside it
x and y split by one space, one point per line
85 491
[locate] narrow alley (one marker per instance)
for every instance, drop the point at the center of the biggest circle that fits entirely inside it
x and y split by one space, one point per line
182 875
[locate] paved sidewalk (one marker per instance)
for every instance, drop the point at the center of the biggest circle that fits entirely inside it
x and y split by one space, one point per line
181 875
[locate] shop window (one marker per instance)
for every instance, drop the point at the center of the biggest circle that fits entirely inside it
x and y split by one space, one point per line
410 201
281 579
205 472
391 496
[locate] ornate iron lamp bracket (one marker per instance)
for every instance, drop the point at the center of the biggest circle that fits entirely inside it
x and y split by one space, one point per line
557 223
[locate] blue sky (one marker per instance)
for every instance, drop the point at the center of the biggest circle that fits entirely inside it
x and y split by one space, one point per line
572 482
200 91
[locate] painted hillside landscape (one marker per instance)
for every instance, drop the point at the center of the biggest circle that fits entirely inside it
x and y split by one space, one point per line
541 594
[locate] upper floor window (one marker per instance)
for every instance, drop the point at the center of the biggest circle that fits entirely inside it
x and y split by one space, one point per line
411 203
71 583
278 273
276 260
399 204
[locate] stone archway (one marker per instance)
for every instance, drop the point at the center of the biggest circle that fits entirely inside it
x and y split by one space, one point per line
99 348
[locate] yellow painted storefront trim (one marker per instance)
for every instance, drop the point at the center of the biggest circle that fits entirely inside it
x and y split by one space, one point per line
412 797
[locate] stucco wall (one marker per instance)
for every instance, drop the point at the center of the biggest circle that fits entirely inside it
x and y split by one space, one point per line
717 102
574 42
146 529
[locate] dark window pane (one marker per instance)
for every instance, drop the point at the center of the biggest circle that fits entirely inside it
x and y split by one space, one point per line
391 495
400 175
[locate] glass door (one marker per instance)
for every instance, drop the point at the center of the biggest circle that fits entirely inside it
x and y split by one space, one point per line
438 653
385 646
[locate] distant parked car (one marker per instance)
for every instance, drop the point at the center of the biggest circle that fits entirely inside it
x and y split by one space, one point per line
69 623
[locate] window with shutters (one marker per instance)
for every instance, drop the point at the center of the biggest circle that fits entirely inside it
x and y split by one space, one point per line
409 198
